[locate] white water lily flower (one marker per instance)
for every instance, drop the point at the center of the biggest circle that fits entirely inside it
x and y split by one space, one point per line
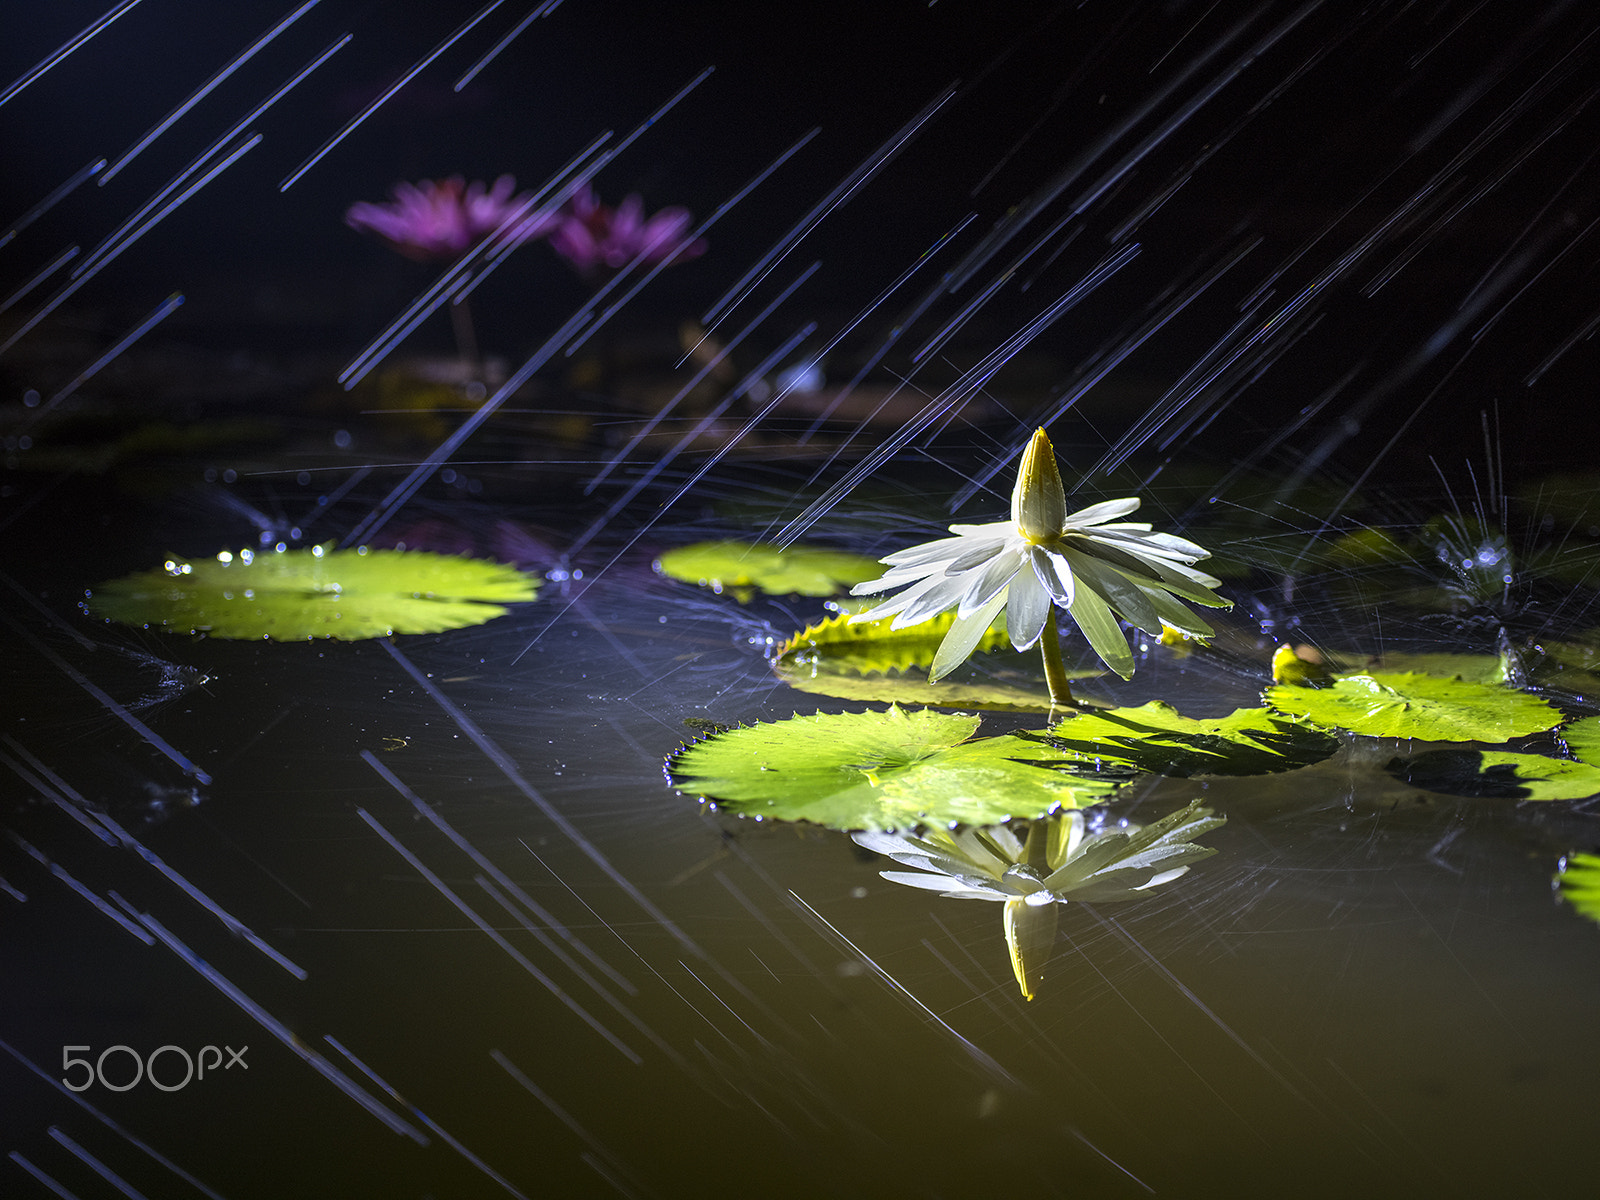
1094 566
1057 862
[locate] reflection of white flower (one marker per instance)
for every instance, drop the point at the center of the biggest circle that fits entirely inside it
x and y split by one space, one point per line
1057 862
1093 566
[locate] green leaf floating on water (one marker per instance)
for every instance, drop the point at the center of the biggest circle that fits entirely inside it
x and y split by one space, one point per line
1583 740
1578 879
1155 737
838 647
881 770
747 567
295 595
873 662
1411 705
1498 774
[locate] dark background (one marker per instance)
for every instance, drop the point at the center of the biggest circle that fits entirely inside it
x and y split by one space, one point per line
1423 174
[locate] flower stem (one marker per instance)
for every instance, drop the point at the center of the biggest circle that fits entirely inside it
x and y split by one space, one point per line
1055 673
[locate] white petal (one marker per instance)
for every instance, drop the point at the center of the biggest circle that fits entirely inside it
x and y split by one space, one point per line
1164 877
944 592
878 613
1027 605
941 550
892 844
1094 617
1119 590
1190 584
1104 511
1171 543
995 529
1063 570
1175 613
963 636
971 845
1042 562
980 552
933 883
992 580
1161 545
873 586
898 604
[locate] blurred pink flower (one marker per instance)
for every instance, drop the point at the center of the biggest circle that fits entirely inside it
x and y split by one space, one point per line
590 234
443 219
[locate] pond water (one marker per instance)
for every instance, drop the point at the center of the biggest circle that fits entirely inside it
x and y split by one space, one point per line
492 951
422 916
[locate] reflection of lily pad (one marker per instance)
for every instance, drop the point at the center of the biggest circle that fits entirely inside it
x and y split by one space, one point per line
295 595
881 770
1583 740
1495 774
1155 737
866 661
747 567
1579 880
1412 705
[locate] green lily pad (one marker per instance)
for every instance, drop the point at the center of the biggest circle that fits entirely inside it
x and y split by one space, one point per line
1578 879
1155 737
1413 705
873 662
747 567
1583 740
987 695
296 595
882 770
835 646
1498 774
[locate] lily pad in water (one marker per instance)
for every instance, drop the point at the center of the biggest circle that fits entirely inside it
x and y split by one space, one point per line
882 770
1498 774
1578 879
296 595
1155 737
745 568
870 661
1413 705
1583 740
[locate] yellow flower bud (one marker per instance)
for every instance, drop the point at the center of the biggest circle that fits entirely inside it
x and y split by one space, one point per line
1300 666
1039 502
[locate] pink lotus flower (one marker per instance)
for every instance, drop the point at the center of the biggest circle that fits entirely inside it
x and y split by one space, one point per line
592 235
441 220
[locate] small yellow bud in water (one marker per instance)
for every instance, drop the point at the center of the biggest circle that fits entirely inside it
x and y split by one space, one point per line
1300 666
1176 639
